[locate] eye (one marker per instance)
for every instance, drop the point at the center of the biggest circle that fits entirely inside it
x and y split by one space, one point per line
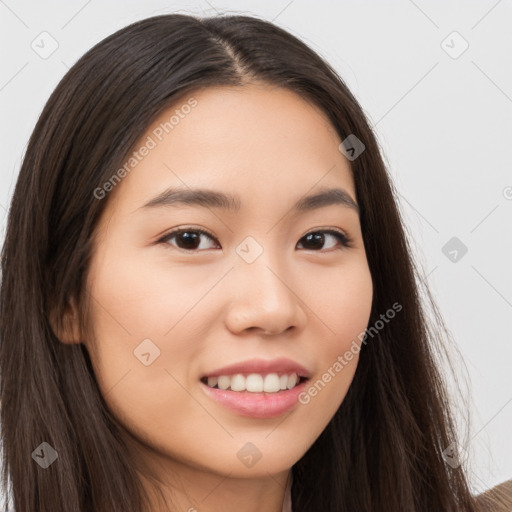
188 239
316 239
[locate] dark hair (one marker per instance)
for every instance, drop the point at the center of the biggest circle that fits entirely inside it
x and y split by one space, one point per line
382 450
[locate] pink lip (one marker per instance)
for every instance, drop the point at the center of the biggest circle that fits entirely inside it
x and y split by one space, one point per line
263 367
257 405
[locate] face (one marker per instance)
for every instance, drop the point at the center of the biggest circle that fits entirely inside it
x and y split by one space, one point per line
185 285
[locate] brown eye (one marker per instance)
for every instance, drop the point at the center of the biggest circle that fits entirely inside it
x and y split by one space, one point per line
194 240
188 239
316 239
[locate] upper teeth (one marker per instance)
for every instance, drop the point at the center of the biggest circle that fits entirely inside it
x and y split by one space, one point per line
254 382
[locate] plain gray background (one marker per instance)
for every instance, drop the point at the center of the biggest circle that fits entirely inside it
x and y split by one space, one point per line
443 116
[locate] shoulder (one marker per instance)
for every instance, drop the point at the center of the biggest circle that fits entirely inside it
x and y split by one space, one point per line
496 499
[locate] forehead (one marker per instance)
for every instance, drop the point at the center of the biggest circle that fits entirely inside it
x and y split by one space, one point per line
256 141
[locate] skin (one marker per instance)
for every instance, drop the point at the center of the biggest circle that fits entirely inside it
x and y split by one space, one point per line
208 307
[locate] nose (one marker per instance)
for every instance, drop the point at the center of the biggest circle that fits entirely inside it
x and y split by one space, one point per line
262 298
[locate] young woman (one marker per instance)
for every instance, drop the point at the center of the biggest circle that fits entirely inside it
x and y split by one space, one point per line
208 300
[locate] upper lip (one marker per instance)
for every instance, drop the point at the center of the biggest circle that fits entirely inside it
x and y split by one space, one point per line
262 366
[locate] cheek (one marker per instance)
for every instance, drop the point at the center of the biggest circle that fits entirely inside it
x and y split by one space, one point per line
342 302
141 350
133 300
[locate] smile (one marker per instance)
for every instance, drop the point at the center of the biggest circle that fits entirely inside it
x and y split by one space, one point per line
254 382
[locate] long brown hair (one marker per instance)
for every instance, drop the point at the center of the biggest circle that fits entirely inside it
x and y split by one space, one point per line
382 450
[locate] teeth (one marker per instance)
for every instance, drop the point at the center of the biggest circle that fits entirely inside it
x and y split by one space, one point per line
271 383
223 382
292 380
254 382
237 383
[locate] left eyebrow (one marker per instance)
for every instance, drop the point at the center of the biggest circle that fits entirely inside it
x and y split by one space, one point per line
215 199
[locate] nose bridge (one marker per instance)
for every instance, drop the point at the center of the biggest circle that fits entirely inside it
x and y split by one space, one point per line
262 295
263 280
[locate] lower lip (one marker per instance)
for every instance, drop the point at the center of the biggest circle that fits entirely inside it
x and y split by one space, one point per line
257 405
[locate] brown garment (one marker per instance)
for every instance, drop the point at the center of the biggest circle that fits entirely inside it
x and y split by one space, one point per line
496 499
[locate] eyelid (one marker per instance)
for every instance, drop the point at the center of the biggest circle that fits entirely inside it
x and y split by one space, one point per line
326 230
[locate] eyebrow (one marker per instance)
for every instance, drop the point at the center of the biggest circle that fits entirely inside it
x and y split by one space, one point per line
214 199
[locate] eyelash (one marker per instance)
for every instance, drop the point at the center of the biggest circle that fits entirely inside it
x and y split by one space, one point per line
344 240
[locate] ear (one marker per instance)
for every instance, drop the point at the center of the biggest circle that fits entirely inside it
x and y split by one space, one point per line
65 323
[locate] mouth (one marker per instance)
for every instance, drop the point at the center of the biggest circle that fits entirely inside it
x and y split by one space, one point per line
255 382
255 395
257 388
